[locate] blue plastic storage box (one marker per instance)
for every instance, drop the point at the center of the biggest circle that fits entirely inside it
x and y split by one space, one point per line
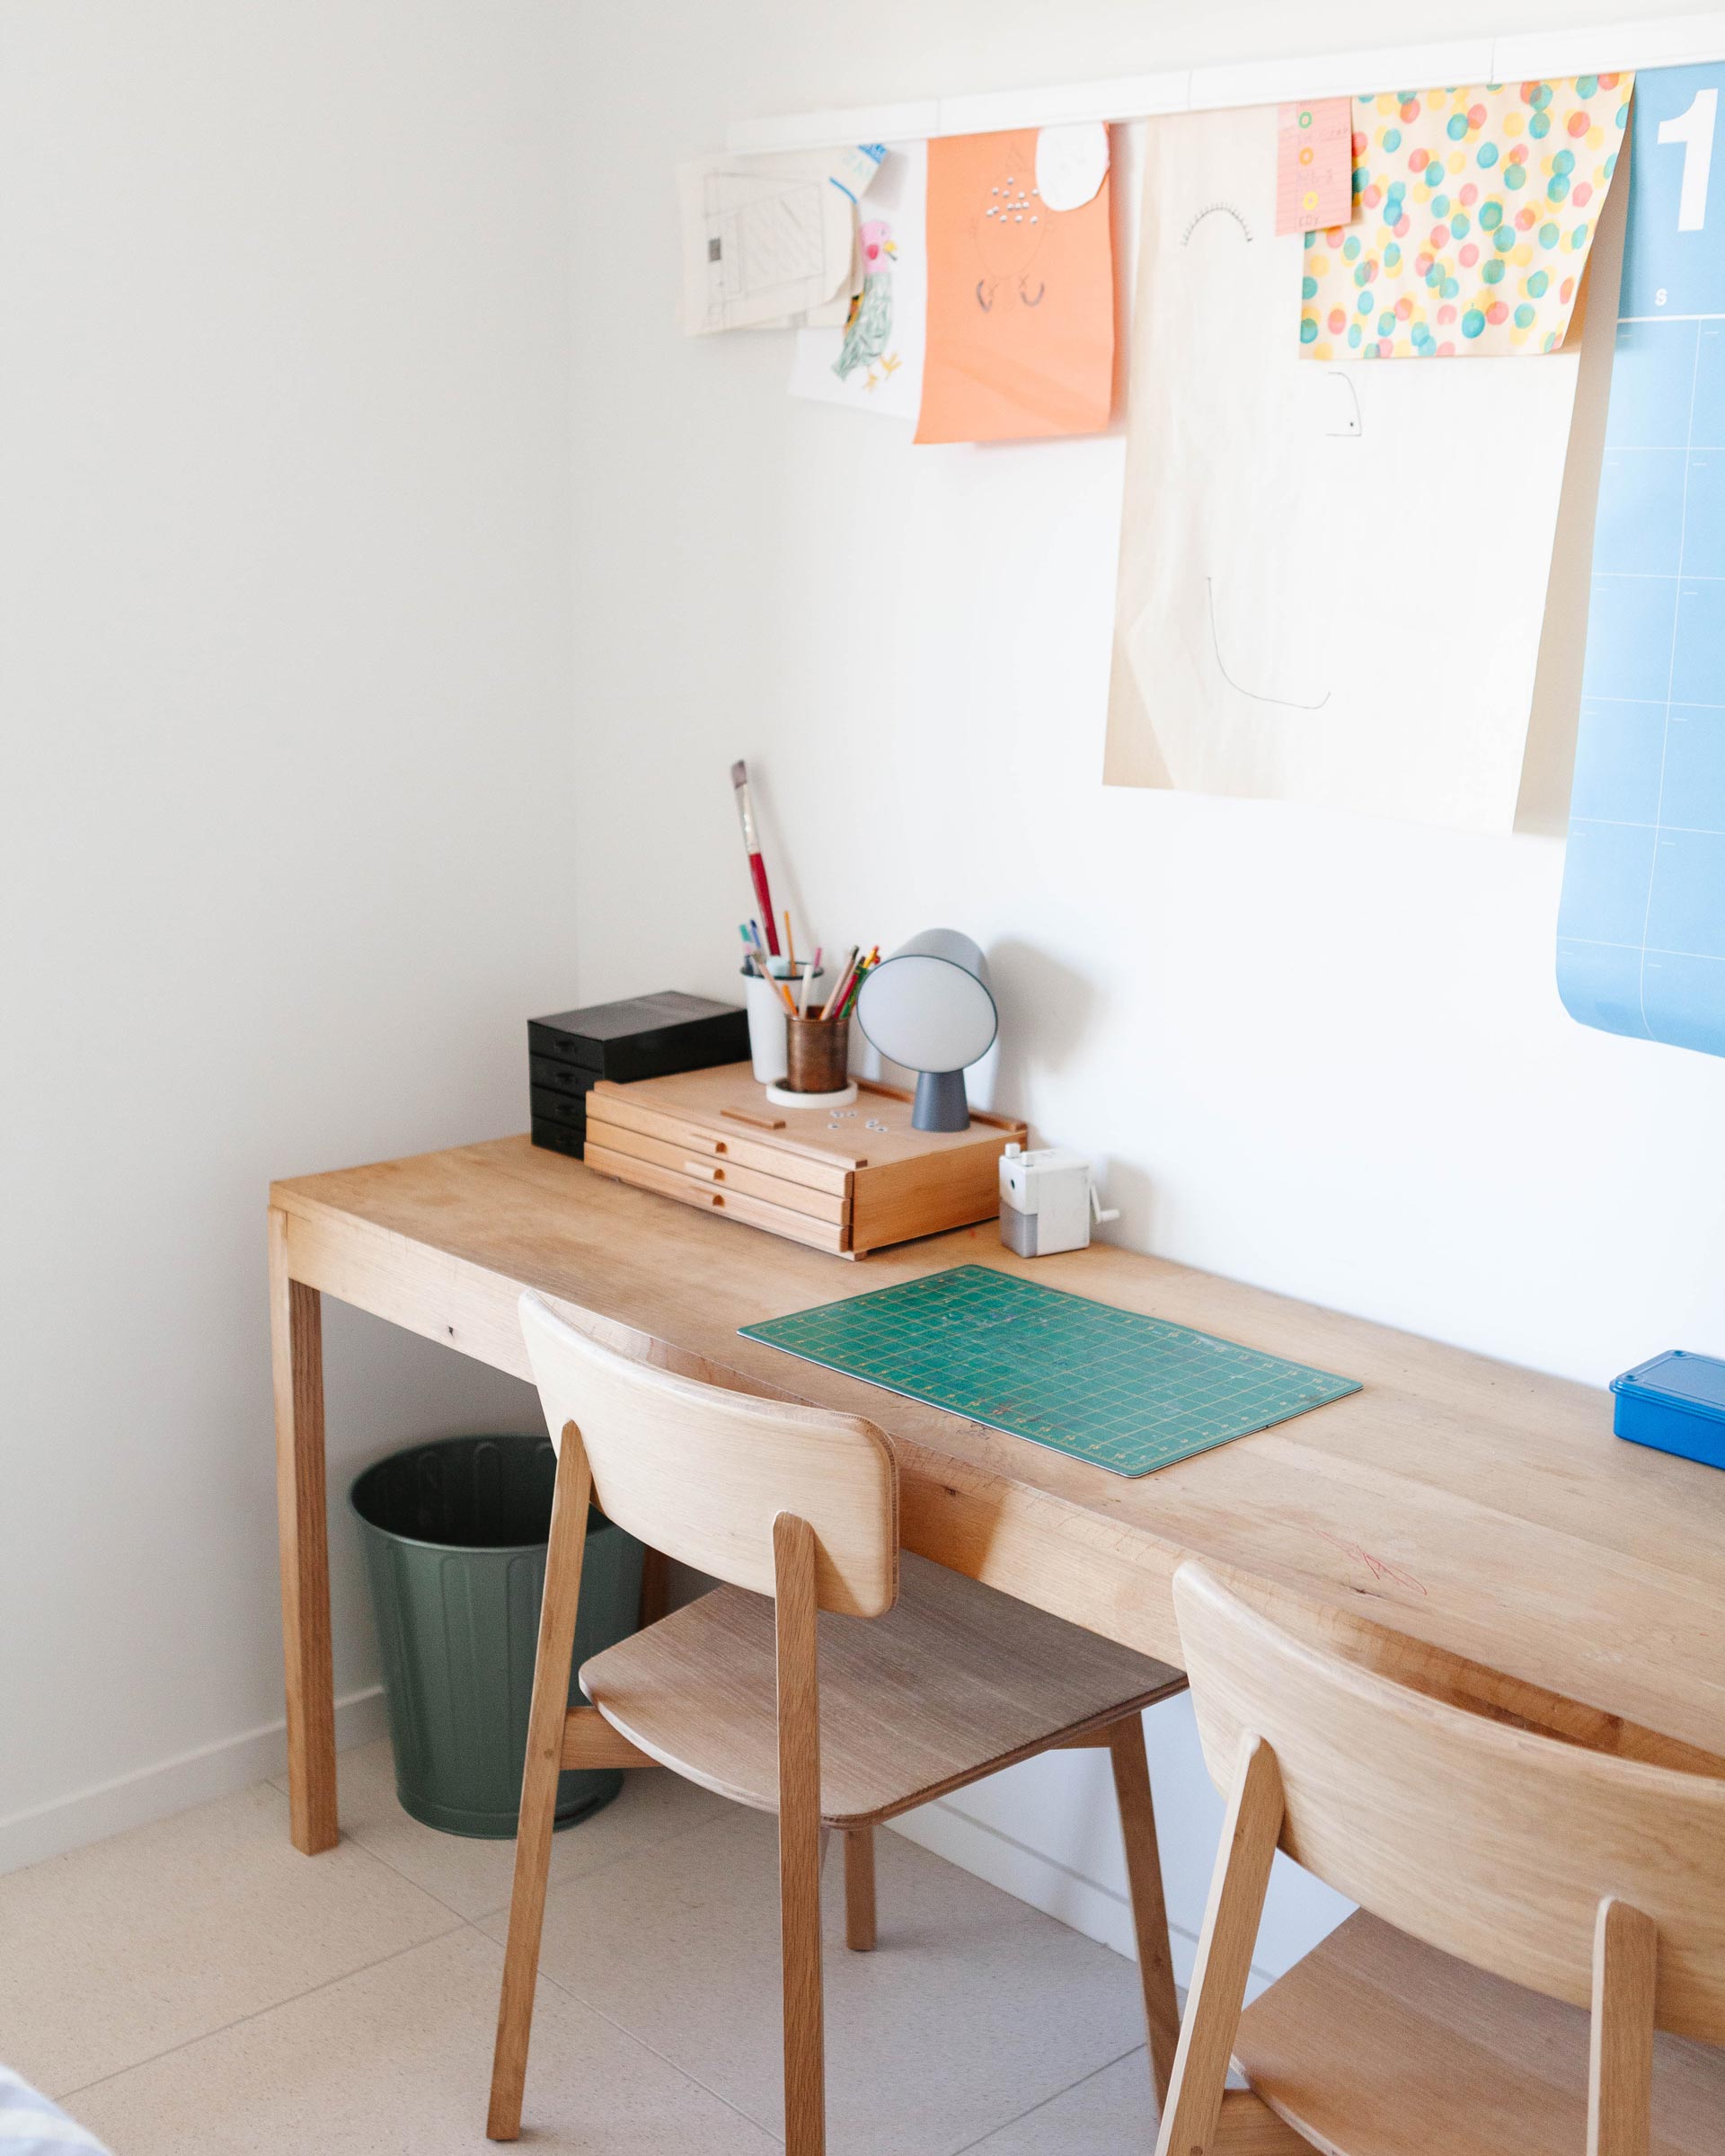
1675 1403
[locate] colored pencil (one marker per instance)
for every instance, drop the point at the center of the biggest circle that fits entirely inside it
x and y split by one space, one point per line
767 973
829 1009
757 959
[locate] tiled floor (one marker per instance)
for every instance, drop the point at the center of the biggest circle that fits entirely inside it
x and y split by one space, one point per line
196 1987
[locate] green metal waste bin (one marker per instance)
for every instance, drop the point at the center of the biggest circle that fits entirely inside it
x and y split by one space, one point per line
455 1536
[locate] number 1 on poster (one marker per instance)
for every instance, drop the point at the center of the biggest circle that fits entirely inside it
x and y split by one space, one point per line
1694 130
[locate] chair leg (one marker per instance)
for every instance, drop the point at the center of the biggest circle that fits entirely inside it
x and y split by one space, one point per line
1149 1914
1620 2068
859 1889
799 1836
539 1783
655 1588
1198 2090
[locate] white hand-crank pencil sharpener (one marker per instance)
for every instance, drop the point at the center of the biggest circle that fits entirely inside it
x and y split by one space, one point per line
1047 1200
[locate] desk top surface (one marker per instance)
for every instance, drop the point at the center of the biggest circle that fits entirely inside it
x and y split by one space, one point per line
1483 1509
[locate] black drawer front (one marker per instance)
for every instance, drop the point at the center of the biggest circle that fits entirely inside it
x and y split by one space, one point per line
559 1137
566 1108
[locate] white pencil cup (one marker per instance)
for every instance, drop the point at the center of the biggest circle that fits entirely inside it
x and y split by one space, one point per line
767 1049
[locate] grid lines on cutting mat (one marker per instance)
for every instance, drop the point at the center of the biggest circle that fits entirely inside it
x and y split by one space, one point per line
1127 1392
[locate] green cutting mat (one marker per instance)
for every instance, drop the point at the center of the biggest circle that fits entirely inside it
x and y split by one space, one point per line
1126 1392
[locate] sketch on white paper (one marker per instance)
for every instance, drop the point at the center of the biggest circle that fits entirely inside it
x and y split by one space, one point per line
1071 163
1330 591
767 240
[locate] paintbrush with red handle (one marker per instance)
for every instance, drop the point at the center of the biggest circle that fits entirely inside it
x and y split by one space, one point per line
757 866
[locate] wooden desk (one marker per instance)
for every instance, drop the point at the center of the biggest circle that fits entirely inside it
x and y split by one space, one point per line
1476 1528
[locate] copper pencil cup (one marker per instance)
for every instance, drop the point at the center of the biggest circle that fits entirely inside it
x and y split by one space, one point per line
817 1055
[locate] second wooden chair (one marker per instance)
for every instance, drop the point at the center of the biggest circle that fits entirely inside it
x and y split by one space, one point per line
825 1680
1508 1882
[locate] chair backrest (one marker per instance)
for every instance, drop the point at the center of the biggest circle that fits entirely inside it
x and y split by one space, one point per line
700 1469
1488 1842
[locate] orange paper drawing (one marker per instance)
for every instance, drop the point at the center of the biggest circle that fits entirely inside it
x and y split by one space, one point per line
1020 299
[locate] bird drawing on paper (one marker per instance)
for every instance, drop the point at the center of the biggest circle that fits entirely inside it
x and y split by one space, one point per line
870 323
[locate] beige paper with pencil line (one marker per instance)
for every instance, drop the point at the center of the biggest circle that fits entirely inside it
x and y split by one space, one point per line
1331 579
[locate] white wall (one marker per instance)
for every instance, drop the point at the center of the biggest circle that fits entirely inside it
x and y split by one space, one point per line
285 695
305 807
1322 1053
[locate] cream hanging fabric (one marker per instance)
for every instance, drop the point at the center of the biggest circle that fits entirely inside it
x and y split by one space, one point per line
1331 577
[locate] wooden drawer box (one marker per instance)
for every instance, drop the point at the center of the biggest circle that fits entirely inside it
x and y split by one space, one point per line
712 1139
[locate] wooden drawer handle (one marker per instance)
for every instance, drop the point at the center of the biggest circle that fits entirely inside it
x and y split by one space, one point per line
700 1168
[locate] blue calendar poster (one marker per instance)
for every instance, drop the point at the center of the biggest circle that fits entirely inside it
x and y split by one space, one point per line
1640 932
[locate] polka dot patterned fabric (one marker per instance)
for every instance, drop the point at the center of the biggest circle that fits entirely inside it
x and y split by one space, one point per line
1474 211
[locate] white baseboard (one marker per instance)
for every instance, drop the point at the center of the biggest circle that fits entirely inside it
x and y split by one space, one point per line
173 1785
232 1762
1097 1911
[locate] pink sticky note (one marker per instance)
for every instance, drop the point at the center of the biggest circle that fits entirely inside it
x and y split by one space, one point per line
1314 165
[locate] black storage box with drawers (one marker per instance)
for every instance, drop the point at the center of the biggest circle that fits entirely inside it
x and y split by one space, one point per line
642 1036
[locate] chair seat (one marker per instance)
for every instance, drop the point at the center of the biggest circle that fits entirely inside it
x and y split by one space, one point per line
1377 2045
954 1682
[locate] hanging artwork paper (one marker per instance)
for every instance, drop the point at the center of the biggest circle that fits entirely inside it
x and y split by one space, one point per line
1314 165
1331 579
1071 163
1641 931
874 360
767 240
1021 299
1474 213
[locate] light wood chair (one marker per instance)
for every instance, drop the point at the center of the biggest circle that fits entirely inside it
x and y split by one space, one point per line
1508 1882
828 1679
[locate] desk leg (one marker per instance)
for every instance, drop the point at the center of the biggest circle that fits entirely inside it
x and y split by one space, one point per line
296 1357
